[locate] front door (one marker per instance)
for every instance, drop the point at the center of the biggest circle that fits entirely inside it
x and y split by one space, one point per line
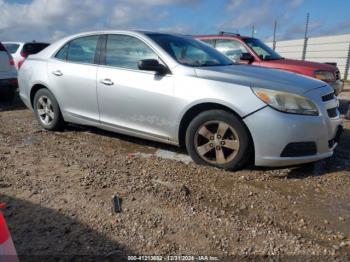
136 101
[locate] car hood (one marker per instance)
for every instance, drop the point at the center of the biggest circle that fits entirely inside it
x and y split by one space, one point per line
254 76
305 64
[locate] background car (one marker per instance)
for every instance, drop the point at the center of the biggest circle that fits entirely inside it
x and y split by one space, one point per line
8 75
178 90
248 50
20 51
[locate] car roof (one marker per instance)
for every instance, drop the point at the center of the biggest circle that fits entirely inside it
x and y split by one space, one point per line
24 43
223 36
139 32
54 47
10 42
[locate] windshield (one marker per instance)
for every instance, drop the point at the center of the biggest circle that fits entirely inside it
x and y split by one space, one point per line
190 52
262 50
12 48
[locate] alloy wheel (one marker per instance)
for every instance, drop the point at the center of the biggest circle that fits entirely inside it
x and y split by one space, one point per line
45 110
217 142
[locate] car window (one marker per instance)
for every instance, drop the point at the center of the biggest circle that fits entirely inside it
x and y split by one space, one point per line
62 54
12 48
189 51
81 50
33 48
262 50
2 48
126 51
210 42
231 48
188 54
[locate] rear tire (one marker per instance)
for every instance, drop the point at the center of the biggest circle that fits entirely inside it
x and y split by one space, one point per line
47 110
220 139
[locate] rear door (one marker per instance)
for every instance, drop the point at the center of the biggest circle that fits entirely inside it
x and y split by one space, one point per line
72 76
4 60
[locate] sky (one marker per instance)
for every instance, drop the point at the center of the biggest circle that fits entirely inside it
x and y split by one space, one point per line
49 20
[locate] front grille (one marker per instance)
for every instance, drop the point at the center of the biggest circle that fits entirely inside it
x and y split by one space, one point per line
337 75
299 149
332 112
328 97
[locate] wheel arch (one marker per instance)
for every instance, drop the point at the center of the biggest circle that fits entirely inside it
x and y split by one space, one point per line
195 110
35 88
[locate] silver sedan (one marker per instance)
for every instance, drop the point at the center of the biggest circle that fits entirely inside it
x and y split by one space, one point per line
177 90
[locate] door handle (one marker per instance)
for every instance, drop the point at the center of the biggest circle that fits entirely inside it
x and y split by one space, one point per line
57 73
107 82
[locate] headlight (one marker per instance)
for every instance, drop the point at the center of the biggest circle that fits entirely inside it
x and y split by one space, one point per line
287 102
325 75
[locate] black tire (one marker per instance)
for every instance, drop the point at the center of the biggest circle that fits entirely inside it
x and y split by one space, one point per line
237 132
57 122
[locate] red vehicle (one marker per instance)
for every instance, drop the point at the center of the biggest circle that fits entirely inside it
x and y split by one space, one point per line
248 50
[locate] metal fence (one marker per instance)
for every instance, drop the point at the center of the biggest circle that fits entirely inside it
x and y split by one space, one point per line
327 49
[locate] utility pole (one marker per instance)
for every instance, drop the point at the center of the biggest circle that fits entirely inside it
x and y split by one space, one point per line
274 35
306 36
253 30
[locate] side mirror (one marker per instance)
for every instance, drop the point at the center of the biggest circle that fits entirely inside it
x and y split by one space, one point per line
152 65
247 57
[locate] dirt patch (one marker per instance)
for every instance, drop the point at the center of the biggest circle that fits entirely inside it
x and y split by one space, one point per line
59 188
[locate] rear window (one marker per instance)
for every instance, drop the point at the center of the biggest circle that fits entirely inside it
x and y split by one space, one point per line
81 50
12 48
34 48
2 48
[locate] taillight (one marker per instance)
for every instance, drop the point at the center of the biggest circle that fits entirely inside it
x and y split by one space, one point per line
14 82
11 61
24 55
20 63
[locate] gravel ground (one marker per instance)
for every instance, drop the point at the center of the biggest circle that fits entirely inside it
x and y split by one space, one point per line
59 186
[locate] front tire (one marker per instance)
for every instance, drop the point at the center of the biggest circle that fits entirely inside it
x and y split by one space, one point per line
220 139
47 111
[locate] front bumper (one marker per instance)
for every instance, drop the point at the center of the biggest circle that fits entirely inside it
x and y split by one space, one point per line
337 86
272 131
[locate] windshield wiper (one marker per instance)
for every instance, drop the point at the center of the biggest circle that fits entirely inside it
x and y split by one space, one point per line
276 58
208 64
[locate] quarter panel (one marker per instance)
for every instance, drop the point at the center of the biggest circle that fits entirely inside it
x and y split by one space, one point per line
33 72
